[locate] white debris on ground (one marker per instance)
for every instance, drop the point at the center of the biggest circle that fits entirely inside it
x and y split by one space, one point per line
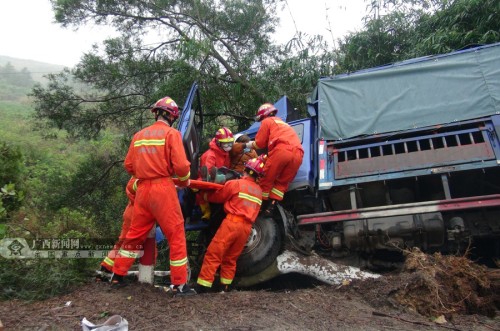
320 268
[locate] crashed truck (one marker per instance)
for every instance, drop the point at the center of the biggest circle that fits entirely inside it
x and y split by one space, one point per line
398 156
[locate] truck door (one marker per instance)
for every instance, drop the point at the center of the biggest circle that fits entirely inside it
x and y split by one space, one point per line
191 125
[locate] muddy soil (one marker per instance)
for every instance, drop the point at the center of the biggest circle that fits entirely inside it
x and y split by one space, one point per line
431 293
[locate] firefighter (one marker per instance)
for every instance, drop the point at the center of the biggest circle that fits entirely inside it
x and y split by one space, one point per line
215 157
108 262
240 154
217 154
242 199
155 155
284 151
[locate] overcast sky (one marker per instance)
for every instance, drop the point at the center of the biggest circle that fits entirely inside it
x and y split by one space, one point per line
27 30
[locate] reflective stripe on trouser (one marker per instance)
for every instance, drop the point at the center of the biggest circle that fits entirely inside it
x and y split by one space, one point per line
224 250
281 167
157 199
109 261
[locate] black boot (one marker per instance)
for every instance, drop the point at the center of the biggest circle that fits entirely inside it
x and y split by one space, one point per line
202 289
182 290
117 281
103 275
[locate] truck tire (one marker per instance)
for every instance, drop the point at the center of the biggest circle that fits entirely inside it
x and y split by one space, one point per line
263 246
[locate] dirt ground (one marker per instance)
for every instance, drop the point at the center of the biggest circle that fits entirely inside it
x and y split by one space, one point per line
431 293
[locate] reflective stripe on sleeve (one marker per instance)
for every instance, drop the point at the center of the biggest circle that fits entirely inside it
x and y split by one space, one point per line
183 179
249 198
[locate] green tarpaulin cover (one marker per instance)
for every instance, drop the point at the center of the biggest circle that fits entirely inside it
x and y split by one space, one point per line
411 94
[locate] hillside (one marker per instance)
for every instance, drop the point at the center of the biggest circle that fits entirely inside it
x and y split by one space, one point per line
37 69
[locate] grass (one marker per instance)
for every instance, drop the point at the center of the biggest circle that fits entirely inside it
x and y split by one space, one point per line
18 127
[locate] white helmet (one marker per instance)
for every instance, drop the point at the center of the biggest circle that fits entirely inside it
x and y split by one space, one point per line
236 136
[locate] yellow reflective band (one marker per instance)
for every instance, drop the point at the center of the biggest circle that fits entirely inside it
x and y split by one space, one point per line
134 186
226 281
204 282
277 192
149 142
265 194
128 254
183 179
179 263
109 262
249 198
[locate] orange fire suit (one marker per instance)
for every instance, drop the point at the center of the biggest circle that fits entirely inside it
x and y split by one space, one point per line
239 156
285 155
215 157
130 189
156 154
242 200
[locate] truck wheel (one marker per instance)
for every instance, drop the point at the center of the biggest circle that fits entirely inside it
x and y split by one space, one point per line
262 248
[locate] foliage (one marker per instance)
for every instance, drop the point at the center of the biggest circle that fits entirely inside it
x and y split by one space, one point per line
11 168
97 187
227 47
223 45
22 78
403 29
42 164
35 68
459 24
14 83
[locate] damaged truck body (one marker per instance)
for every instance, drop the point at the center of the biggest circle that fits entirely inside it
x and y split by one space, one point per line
399 156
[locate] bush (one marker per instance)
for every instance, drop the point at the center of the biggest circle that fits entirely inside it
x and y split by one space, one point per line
42 278
11 168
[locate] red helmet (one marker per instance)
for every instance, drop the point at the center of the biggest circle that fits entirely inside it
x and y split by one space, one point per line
167 104
255 166
224 135
264 111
